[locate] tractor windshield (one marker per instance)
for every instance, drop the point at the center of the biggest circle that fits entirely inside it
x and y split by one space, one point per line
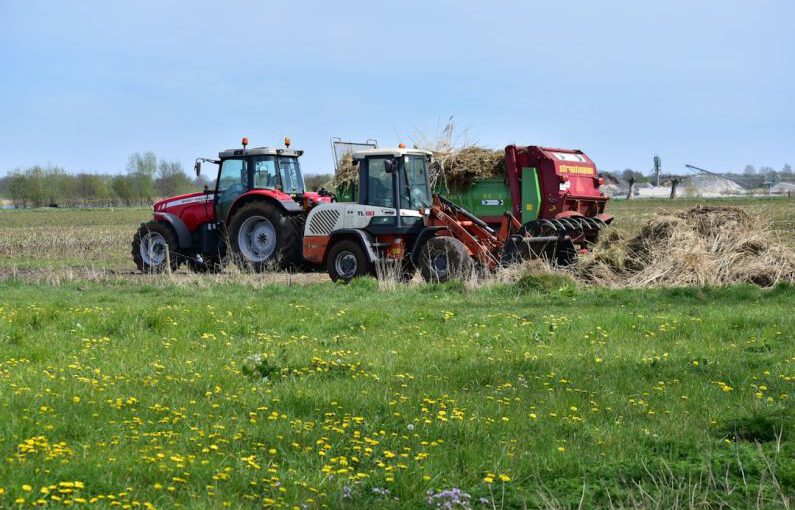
414 183
278 172
290 172
265 175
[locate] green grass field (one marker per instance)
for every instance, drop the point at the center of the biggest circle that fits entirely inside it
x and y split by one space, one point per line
321 396
177 391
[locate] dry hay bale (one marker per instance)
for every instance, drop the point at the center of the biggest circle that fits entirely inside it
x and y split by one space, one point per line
457 168
704 245
347 172
460 167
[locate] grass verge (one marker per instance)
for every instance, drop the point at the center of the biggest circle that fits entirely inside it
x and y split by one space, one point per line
539 396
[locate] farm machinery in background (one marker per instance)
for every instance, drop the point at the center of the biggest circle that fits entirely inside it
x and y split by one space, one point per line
548 205
259 214
254 215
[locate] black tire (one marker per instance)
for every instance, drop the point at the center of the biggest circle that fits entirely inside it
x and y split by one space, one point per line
347 254
259 254
154 248
445 258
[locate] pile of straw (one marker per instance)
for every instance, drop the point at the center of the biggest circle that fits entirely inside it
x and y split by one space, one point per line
458 168
347 173
701 246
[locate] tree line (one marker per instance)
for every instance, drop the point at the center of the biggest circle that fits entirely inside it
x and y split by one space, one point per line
145 180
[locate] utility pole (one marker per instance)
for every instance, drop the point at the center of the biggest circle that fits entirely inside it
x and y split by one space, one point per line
657 167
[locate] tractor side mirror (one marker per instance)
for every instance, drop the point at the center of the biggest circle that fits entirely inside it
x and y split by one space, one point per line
197 168
390 166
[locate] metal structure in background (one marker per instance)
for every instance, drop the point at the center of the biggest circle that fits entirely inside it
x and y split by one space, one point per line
657 168
340 148
693 167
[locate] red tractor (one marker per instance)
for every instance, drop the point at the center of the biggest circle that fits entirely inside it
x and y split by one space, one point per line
255 215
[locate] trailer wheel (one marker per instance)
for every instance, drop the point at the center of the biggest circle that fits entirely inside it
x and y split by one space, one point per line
346 260
154 248
445 258
261 236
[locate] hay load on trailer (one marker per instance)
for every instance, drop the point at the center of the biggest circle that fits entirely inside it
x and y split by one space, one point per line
460 168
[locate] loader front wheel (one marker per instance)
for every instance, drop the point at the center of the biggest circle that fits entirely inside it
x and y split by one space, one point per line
346 261
445 258
154 248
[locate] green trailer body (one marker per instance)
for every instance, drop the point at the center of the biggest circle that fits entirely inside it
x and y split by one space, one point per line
486 198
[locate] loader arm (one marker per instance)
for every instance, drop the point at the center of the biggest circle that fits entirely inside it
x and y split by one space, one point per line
482 241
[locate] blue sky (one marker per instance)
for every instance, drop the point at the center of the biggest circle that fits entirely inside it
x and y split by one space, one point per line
710 82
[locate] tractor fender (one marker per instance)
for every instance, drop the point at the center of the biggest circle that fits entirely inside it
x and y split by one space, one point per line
425 234
288 206
183 234
362 237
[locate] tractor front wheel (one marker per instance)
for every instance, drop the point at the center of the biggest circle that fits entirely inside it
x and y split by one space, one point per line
445 258
154 248
346 261
261 237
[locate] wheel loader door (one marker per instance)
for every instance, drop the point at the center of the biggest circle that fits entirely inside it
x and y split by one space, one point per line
531 195
232 182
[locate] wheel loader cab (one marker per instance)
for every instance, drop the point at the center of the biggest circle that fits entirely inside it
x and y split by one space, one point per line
395 179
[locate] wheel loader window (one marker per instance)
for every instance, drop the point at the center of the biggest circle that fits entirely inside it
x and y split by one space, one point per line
414 192
265 175
379 183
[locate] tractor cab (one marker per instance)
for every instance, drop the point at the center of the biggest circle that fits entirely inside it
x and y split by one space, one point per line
273 170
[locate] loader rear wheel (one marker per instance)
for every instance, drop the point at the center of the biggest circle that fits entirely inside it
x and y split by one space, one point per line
154 248
445 258
261 236
346 261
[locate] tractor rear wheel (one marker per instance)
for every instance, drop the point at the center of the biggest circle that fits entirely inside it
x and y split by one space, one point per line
154 248
445 258
262 237
346 260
